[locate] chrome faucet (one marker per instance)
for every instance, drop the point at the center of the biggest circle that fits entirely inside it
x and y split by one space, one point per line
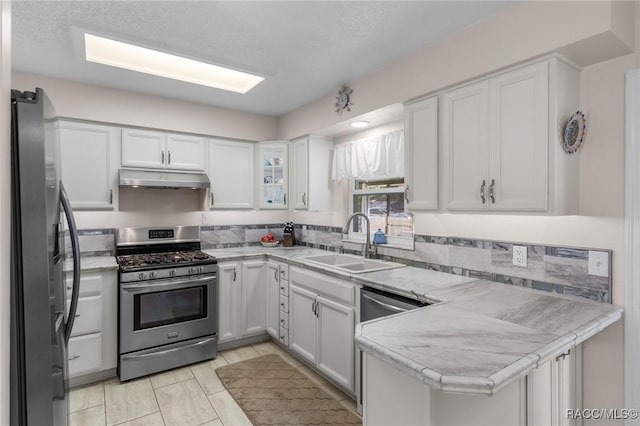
368 250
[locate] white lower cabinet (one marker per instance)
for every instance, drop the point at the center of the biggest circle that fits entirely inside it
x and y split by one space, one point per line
322 323
552 390
93 344
541 398
278 301
242 311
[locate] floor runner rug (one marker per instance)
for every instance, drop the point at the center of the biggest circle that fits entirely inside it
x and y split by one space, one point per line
272 392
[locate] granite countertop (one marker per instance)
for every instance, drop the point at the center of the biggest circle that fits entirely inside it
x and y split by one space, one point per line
93 263
477 337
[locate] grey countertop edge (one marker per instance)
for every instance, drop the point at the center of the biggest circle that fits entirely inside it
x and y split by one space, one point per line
594 327
93 264
404 364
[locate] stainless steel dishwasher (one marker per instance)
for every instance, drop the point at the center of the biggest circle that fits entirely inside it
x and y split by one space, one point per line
376 303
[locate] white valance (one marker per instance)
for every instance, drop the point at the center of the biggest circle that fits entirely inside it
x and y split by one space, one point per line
380 157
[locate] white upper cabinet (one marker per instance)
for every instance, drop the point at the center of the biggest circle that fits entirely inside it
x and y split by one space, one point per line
143 148
501 146
158 150
465 146
89 163
231 171
311 173
273 174
421 154
518 134
185 152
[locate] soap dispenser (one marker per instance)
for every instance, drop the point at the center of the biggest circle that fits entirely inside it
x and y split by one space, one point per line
379 237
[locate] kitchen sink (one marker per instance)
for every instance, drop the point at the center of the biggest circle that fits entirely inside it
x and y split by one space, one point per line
352 264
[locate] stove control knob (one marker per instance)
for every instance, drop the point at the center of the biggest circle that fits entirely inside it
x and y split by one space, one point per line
153 275
172 273
200 269
142 275
191 271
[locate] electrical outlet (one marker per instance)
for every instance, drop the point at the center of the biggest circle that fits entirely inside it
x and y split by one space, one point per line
598 263
204 218
520 255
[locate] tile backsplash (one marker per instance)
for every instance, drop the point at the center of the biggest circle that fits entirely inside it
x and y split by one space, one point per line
562 270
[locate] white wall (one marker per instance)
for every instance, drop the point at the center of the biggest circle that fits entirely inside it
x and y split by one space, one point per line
86 102
5 205
587 32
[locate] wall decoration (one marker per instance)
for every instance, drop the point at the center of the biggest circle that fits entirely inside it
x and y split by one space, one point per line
574 133
343 100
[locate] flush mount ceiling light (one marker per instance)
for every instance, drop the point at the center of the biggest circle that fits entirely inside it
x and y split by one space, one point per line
359 124
136 58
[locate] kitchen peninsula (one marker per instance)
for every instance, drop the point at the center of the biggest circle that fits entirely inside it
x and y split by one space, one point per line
488 354
481 353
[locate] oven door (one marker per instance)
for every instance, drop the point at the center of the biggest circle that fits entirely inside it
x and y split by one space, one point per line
155 313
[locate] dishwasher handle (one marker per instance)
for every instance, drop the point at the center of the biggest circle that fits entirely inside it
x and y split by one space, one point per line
384 305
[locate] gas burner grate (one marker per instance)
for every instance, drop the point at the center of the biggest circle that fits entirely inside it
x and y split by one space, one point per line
167 259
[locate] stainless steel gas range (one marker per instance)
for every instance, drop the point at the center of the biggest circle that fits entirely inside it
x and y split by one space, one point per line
168 300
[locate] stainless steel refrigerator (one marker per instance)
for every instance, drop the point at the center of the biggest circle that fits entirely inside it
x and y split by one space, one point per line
41 321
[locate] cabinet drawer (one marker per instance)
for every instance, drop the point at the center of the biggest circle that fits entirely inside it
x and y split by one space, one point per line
284 336
90 284
284 320
284 272
88 316
284 303
284 288
325 285
85 354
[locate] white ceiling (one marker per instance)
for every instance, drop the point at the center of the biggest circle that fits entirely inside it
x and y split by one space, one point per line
305 49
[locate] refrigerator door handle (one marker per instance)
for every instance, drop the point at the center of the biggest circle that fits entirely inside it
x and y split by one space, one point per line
75 248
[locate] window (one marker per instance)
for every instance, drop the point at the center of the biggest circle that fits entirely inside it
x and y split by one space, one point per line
384 203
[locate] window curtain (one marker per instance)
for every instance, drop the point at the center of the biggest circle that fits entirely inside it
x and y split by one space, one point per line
379 157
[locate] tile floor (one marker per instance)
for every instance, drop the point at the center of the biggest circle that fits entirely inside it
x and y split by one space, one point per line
191 395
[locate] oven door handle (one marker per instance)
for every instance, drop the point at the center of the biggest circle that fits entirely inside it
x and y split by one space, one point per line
167 351
159 286
384 305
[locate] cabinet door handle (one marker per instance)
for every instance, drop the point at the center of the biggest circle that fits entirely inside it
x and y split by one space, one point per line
212 198
406 193
304 198
275 275
235 274
163 157
72 357
111 196
169 157
491 194
282 320
482 187
285 198
313 307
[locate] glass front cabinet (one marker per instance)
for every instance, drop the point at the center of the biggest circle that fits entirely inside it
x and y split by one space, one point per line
273 177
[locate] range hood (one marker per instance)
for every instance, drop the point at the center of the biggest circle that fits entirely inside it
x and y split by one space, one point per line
156 179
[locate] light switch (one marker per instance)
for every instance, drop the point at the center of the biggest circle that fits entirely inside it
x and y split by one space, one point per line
598 263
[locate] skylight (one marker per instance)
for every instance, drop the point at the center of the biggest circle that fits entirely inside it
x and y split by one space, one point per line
128 56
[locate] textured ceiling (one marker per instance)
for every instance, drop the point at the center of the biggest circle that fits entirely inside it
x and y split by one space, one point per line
305 49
